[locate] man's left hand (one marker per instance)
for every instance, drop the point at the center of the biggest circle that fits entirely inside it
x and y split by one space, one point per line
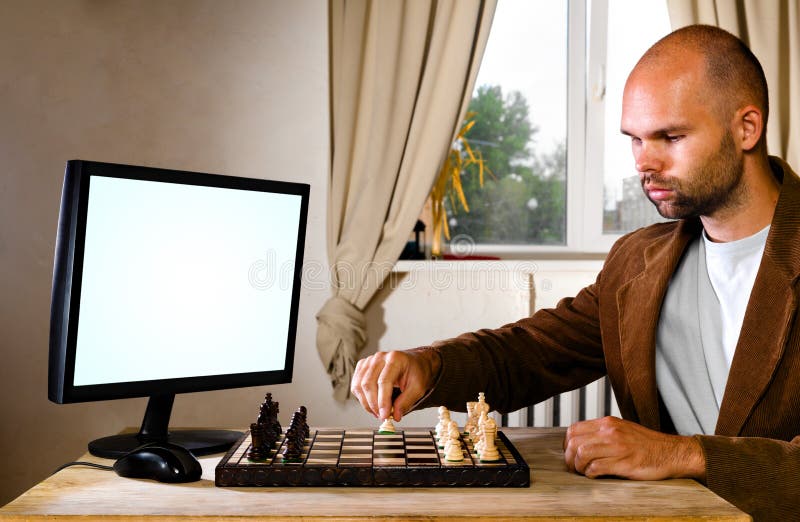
616 447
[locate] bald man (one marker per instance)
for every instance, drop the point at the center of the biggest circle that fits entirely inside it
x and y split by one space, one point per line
693 320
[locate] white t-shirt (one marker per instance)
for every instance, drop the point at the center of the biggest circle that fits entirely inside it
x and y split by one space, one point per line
732 269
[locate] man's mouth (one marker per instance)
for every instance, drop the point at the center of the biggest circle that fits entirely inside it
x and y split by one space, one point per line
658 193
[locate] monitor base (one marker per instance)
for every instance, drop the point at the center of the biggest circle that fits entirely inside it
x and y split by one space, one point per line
199 442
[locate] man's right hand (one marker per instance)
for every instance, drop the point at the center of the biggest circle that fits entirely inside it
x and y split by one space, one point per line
375 378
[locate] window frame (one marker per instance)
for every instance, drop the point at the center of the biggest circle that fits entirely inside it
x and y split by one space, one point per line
587 34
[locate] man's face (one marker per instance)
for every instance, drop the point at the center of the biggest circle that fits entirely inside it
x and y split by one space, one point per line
687 159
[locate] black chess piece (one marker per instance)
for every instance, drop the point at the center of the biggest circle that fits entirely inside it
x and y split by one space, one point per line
265 410
273 420
302 413
291 449
258 450
268 417
269 438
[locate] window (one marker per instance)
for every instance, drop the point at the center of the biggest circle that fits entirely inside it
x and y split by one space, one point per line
546 107
622 30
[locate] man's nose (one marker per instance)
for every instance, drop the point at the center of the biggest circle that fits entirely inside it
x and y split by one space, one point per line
648 157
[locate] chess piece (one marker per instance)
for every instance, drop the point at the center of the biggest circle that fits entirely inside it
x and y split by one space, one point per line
447 427
303 412
291 435
292 448
441 427
480 442
453 451
268 417
482 405
265 409
444 417
489 453
472 419
259 451
452 426
387 427
269 438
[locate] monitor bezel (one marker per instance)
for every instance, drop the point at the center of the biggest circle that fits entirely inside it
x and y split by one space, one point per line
67 278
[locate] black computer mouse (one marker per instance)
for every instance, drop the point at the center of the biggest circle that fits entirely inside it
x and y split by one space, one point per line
160 461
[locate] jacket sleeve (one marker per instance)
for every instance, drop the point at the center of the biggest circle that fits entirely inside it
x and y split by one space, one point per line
760 476
525 362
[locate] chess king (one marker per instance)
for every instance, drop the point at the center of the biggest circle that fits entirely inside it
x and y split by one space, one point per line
693 320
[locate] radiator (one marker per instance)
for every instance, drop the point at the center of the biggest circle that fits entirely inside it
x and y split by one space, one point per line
593 401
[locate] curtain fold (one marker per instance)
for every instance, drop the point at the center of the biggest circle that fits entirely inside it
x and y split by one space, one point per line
771 28
402 74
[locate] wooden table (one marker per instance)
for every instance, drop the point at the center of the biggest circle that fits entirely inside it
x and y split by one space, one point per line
554 494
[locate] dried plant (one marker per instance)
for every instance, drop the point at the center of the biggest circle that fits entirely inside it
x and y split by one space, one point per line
448 183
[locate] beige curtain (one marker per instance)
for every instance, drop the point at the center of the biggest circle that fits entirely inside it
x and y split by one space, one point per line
771 28
402 74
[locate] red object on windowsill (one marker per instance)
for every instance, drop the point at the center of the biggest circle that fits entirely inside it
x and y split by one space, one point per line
453 257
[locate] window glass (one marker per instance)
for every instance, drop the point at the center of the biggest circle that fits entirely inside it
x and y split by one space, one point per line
520 113
633 26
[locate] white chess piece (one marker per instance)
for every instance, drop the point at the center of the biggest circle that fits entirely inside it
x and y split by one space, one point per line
449 433
489 453
387 426
480 440
444 418
472 419
482 404
452 450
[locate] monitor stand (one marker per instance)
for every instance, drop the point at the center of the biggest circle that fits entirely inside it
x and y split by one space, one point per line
155 428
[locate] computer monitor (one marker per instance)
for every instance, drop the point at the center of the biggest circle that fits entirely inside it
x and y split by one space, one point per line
168 281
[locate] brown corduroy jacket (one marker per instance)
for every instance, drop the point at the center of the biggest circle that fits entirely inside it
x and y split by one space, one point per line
753 459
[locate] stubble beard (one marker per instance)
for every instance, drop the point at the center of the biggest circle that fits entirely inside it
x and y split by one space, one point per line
714 186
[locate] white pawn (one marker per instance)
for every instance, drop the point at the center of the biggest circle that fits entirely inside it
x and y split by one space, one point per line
449 428
387 426
452 426
452 450
489 453
449 434
444 418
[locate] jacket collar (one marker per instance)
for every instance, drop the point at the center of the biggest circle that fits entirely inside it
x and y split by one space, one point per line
639 304
770 310
765 325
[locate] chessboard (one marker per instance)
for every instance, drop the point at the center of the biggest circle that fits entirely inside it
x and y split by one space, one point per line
366 457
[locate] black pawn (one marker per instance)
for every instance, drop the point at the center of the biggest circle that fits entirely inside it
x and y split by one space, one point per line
291 450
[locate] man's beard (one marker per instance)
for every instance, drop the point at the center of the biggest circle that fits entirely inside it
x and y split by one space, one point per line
713 186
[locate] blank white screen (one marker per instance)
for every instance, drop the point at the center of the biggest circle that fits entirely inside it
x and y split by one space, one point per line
167 286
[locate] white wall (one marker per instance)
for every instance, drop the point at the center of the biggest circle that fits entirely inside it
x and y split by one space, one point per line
236 88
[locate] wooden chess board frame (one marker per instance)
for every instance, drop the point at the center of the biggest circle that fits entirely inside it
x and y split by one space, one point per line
365 457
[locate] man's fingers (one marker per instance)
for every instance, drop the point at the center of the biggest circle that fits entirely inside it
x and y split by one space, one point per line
365 382
585 454
377 378
406 400
355 383
389 376
583 428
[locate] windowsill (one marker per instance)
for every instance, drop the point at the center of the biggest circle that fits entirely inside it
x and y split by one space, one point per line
544 261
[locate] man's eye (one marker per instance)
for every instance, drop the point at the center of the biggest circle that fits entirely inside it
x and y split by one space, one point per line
674 138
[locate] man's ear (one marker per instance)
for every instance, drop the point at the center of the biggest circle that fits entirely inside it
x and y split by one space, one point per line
750 125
